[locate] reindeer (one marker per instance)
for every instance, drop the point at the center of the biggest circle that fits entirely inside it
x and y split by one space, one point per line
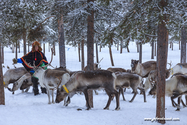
175 87
96 66
126 80
142 69
51 79
116 69
17 84
119 70
13 75
83 81
152 78
179 68
26 84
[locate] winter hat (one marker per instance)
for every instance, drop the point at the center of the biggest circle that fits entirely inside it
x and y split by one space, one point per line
38 44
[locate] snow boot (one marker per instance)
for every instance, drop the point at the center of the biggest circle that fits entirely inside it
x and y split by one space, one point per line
43 90
35 85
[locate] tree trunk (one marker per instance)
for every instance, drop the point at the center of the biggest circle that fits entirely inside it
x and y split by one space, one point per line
121 47
12 47
179 45
152 49
183 45
118 46
28 47
82 53
49 47
128 49
2 54
16 54
155 48
79 49
100 48
162 49
19 47
172 46
2 94
54 49
61 42
111 57
96 51
44 48
90 47
24 42
128 45
140 53
137 47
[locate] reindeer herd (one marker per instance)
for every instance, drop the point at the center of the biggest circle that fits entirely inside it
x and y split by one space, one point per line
113 80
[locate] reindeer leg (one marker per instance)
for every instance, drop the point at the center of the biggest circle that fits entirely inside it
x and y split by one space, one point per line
135 93
53 96
109 100
87 99
124 89
174 104
143 91
178 105
186 99
27 89
183 103
96 92
68 101
122 93
48 94
117 100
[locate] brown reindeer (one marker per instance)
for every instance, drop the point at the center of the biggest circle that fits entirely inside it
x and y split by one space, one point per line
142 69
83 81
126 80
116 69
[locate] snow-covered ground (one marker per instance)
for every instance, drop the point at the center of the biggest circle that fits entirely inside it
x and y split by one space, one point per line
27 109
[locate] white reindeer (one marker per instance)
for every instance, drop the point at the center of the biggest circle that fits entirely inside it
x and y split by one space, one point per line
51 79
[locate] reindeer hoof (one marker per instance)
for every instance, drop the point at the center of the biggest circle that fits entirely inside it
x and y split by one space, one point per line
66 104
177 109
130 101
106 108
88 108
117 108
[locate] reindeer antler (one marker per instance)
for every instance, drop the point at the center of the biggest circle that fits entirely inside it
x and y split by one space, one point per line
49 64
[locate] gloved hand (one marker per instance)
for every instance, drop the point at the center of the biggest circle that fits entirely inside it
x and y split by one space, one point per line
43 66
14 61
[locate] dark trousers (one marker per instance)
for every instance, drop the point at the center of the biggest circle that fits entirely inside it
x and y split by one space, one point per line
35 85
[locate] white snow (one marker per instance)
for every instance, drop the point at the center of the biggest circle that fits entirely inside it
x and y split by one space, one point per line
27 109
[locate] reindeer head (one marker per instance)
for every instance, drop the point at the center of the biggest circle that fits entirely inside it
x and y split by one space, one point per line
61 94
153 90
134 63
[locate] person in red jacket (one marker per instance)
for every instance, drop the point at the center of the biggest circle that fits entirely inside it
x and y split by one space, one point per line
37 58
